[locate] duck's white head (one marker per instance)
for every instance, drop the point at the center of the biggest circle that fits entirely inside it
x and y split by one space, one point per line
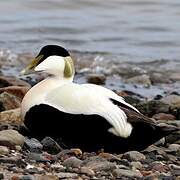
54 60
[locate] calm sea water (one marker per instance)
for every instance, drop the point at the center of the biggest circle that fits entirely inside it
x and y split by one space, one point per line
136 30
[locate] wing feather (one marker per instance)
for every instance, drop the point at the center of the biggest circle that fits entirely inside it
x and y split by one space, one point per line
110 94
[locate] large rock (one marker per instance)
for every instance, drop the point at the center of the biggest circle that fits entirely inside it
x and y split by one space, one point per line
12 117
18 91
12 81
9 101
11 138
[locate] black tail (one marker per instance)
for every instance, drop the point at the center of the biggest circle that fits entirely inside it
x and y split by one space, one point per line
144 134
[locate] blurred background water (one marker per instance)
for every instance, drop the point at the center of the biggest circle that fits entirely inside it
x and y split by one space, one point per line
133 29
137 36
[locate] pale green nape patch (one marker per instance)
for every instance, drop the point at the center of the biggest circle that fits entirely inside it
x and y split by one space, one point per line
69 67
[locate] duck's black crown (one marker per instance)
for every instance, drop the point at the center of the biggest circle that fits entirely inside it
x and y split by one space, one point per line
53 50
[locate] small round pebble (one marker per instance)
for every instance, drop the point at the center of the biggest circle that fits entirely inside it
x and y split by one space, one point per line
118 173
87 171
136 165
4 150
27 177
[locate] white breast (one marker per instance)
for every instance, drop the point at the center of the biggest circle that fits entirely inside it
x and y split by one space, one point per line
36 95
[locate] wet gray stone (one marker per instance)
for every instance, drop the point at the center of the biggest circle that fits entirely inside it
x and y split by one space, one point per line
33 145
158 166
141 79
172 158
27 177
176 172
13 161
100 166
38 157
152 107
134 156
119 173
157 78
173 138
34 171
67 175
72 162
172 100
136 165
173 166
87 171
50 145
57 167
174 147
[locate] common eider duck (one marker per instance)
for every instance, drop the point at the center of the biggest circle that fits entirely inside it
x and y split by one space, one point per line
86 116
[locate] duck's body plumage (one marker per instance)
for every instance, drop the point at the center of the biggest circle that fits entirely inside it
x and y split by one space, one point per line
87 116
86 99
